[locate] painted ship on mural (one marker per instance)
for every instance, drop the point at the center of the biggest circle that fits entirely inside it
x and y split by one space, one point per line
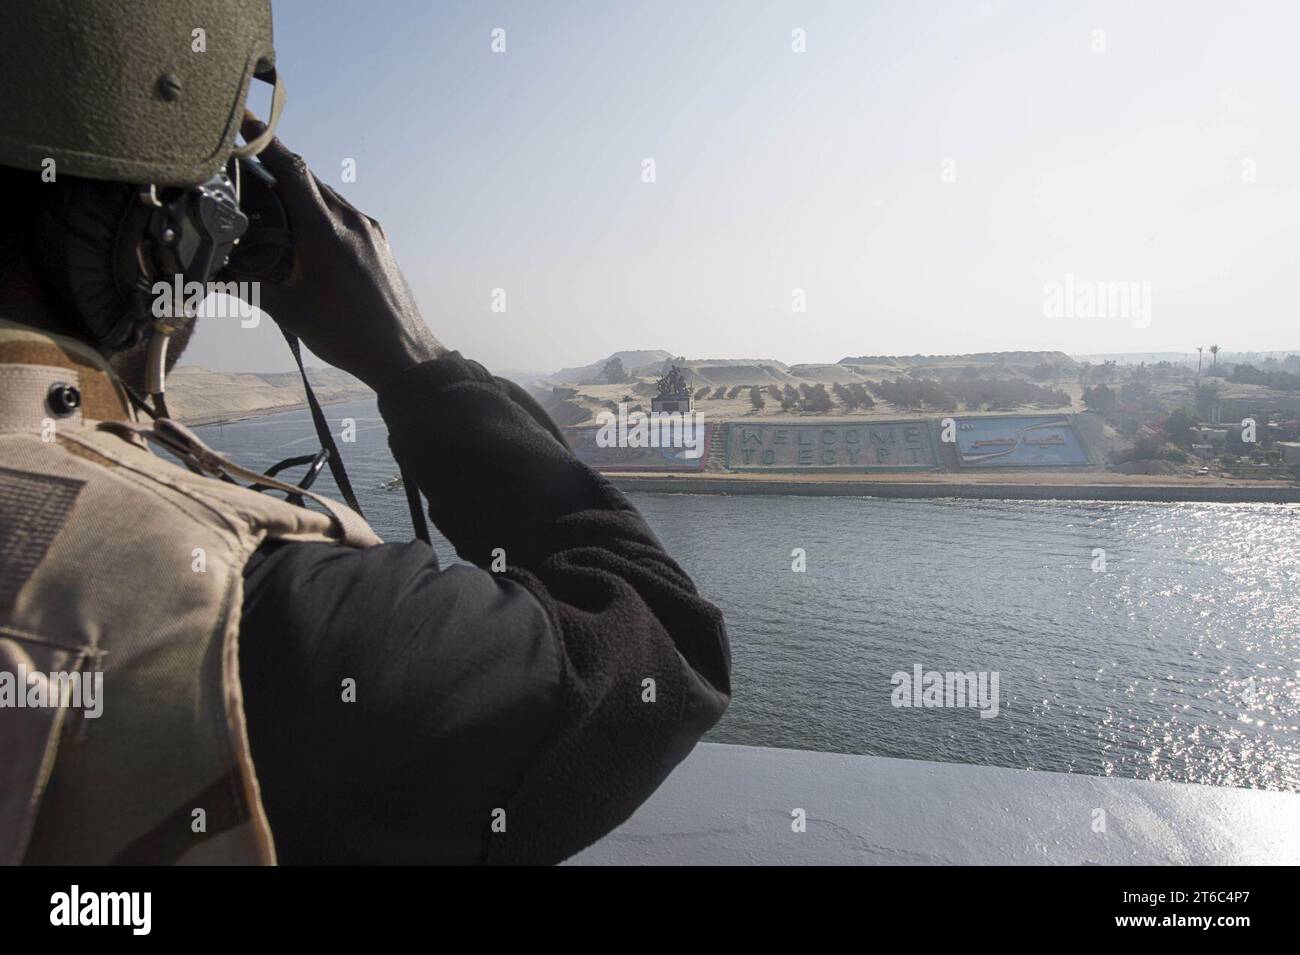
1020 440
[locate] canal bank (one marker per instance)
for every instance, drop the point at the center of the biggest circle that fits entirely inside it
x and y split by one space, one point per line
1082 491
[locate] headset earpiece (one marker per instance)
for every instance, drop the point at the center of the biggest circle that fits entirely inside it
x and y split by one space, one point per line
102 246
79 230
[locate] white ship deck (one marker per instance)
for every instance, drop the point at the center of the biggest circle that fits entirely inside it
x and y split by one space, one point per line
732 805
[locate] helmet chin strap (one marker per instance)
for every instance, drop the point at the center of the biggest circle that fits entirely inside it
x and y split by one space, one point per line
156 367
155 362
207 223
256 145
160 331
190 234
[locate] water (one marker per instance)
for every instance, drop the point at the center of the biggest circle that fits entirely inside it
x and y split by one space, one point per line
1180 661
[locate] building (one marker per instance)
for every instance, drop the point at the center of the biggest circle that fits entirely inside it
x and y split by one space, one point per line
1204 435
1290 451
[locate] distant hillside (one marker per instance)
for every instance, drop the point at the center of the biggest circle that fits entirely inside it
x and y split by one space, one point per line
1187 358
871 386
736 374
196 395
829 374
633 361
732 371
1019 358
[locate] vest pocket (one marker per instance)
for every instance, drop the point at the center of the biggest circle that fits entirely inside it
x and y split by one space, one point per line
40 683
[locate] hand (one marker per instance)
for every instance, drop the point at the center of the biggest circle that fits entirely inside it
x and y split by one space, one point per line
345 299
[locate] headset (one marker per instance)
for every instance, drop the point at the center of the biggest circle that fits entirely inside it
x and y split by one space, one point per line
102 247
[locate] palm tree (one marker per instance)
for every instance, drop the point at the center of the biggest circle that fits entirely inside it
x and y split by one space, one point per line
1214 350
1200 349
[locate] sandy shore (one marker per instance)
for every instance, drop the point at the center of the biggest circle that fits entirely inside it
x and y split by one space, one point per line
1071 485
1019 485
230 417
200 396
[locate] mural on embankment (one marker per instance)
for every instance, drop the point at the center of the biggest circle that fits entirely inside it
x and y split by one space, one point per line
589 451
852 446
1018 441
1010 441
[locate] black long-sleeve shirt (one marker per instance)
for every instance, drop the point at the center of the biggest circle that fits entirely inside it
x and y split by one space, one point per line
548 700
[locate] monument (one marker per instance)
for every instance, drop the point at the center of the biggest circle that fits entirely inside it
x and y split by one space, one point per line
674 394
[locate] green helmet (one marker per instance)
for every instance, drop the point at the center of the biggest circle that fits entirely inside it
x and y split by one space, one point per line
139 91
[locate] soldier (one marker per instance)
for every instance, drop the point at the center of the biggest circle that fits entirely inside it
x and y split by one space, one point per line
277 684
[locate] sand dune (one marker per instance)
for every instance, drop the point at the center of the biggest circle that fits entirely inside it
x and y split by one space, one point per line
198 396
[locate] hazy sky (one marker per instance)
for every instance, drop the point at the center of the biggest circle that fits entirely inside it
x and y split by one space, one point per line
921 172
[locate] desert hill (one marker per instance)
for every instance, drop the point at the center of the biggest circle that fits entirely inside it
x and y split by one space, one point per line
870 386
196 395
633 362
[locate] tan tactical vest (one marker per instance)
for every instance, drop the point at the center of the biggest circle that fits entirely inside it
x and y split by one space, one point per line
114 560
